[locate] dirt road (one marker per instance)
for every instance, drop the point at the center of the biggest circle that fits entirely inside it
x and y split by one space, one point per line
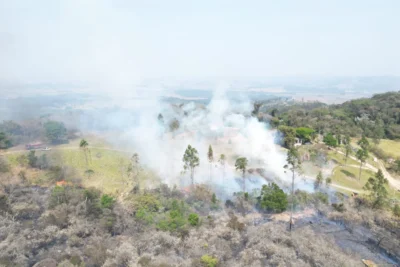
392 181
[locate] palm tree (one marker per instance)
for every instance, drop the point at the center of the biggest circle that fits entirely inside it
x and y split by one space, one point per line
84 146
241 165
293 164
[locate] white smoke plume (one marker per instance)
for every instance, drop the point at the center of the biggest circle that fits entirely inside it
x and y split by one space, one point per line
225 123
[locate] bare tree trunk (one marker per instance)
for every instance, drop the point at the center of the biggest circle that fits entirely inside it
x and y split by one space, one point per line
244 182
191 175
210 170
292 205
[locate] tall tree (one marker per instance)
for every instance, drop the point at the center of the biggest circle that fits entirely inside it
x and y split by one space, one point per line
5 142
293 164
222 161
376 187
363 143
55 132
318 181
210 157
134 169
191 161
241 165
348 151
84 146
362 156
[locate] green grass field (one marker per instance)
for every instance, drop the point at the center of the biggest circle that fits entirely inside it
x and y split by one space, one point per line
109 167
391 147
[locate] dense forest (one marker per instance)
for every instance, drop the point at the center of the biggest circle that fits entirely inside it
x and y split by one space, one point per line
376 117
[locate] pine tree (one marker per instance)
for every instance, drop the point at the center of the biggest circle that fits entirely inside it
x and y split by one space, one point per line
376 187
191 161
210 156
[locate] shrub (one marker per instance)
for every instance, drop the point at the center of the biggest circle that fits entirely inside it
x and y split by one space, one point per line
273 198
209 261
91 193
193 219
107 201
144 215
349 174
330 140
4 167
338 207
396 210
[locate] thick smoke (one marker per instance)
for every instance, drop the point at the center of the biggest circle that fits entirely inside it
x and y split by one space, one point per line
225 123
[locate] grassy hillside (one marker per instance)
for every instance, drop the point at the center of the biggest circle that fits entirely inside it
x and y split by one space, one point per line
109 167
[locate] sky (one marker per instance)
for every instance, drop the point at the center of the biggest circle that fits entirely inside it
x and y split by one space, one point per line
128 41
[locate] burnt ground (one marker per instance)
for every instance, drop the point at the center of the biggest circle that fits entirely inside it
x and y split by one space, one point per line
358 240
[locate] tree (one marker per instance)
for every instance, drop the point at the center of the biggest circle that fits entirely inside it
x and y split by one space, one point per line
32 158
272 198
89 173
328 182
134 169
348 151
84 146
193 219
160 118
363 143
318 181
222 161
362 156
289 135
55 132
305 134
241 165
293 164
210 157
191 161
330 140
396 210
5 142
376 187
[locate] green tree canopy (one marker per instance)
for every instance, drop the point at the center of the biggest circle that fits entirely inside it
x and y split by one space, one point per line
272 198
305 134
55 132
377 189
330 140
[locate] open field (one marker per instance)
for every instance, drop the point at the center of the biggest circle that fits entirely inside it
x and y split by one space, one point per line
109 166
391 147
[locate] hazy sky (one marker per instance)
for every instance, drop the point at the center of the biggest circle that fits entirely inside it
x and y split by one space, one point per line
123 41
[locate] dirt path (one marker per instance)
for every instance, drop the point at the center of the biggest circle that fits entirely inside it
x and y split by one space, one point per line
392 181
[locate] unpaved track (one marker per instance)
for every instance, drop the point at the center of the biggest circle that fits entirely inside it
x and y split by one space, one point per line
392 181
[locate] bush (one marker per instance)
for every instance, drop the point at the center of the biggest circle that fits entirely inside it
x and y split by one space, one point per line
349 174
209 261
396 210
338 207
145 216
330 140
272 198
193 219
4 167
107 201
